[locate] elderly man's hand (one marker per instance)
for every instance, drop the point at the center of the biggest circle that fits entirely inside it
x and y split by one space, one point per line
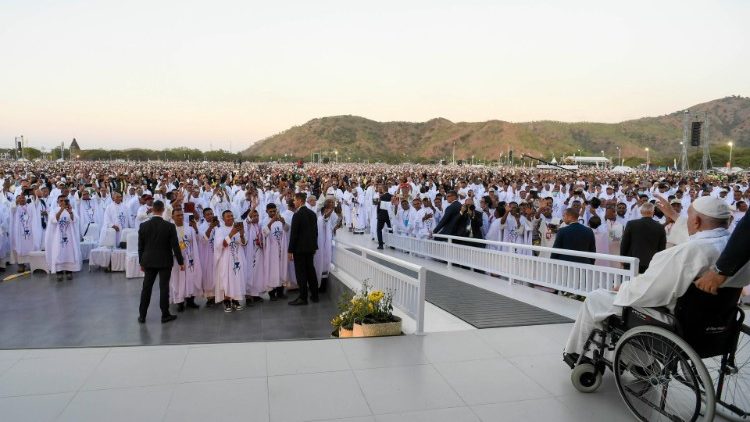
710 282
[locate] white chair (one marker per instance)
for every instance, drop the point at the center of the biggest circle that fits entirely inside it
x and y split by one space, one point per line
102 255
132 267
38 261
124 235
118 259
90 240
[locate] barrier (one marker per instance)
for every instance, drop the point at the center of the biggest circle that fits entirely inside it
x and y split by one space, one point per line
516 262
408 291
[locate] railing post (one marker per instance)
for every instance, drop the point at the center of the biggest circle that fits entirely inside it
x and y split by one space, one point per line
448 253
421 304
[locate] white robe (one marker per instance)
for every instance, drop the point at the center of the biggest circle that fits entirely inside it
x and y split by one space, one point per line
88 214
291 281
229 265
115 215
25 232
254 282
667 278
186 283
275 264
63 247
322 259
206 253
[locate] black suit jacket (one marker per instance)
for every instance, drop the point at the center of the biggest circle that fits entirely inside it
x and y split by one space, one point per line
157 244
642 239
447 223
303 235
383 214
576 237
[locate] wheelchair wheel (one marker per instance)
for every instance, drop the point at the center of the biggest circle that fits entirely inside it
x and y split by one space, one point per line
733 402
586 378
661 378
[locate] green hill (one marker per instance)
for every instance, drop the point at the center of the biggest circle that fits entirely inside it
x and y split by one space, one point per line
357 138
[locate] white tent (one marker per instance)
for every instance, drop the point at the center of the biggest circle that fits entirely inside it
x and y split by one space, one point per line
622 169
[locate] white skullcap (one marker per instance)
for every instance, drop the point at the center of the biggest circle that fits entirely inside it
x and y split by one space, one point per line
712 207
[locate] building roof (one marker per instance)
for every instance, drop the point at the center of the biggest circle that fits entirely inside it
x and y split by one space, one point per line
74 144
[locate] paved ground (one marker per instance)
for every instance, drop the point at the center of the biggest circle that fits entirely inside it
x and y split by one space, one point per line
100 309
500 374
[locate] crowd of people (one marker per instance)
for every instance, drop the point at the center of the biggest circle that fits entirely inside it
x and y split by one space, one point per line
233 220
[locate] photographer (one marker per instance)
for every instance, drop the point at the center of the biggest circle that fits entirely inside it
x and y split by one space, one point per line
63 248
469 223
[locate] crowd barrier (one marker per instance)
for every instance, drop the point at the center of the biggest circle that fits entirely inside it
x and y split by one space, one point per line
408 289
517 262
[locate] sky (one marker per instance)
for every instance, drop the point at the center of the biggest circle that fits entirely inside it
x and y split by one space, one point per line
223 74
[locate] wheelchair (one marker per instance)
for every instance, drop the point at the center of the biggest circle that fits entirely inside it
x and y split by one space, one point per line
684 366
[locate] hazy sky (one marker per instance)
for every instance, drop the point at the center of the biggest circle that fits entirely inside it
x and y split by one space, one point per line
165 73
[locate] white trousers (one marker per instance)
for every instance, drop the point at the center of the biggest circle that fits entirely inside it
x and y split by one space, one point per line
598 306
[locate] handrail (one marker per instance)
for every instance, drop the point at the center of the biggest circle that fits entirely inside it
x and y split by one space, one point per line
409 291
400 262
608 257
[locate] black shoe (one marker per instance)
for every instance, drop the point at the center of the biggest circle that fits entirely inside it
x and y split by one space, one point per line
141 320
190 303
315 299
298 302
181 307
257 299
323 285
59 277
70 275
380 247
210 302
168 318
272 296
249 303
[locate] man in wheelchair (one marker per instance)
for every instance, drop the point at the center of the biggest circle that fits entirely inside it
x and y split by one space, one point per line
668 277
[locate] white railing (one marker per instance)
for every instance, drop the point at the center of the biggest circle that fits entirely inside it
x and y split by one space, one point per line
408 290
516 262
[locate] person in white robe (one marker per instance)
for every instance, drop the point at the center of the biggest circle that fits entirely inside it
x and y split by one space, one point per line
667 278
230 262
185 284
359 212
275 260
5 206
206 239
88 213
254 252
25 232
327 221
288 214
63 247
116 216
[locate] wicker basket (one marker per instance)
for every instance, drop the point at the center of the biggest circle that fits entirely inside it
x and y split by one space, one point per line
378 330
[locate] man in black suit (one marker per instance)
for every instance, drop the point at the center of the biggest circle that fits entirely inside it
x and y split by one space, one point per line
643 238
303 242
447 224
157 244
575 236
384 219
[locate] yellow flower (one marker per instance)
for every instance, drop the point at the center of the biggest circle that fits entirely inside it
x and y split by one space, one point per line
370 307
375 296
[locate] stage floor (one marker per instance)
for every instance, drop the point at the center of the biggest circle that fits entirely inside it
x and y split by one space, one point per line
101 309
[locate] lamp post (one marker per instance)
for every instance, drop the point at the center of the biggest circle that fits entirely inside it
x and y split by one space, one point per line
648 160
619 156
731 145
337 155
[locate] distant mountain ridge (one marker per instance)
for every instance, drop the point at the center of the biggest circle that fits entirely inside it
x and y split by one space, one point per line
358 138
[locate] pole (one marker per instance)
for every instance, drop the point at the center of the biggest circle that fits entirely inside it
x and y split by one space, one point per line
731 145
683 153
454 153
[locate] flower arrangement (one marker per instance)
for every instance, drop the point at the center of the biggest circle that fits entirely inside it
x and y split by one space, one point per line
365 307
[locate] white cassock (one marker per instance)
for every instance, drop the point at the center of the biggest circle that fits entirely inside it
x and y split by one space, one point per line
87 214
512 233
322 259
63 246
43 205
601 238
115 215
291 277
4 230
254 282
186 283
423 228
229 265
275 264
359 217
206 254
667 278
495 233
25 232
